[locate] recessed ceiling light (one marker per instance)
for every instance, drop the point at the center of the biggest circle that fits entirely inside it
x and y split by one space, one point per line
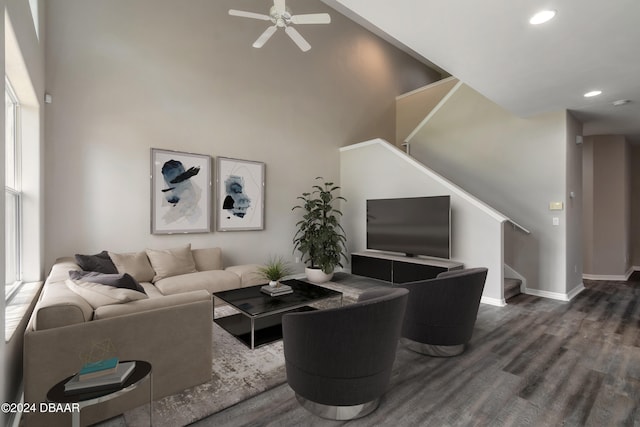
592 93
542 17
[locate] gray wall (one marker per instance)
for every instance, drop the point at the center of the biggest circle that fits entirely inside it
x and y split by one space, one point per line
517 166
635 206
574 204
607 182
588 200
126 76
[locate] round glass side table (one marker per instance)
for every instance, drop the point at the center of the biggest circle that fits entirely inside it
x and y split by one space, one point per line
140 373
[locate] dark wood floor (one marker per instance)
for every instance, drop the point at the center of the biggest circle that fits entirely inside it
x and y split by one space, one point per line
635 276
536 362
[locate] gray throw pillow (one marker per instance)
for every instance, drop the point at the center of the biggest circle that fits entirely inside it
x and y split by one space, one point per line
125 281
99 262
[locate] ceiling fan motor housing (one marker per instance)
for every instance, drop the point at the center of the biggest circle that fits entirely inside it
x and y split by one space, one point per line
280 18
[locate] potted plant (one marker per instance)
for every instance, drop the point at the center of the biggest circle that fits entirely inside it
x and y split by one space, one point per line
274 271
320 238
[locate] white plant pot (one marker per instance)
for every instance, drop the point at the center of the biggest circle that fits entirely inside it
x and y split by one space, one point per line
315 275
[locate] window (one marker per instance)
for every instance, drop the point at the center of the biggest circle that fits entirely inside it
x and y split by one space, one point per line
33 6
13 196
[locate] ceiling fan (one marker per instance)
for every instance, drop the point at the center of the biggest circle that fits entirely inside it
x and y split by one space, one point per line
281 17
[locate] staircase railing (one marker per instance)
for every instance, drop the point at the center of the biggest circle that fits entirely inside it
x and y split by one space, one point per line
412 107
518 226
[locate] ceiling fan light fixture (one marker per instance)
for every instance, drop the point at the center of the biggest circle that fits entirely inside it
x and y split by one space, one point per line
620 102
592 93
542 17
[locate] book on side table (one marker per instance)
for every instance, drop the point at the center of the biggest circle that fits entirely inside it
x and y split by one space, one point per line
76 385
98 369
276 291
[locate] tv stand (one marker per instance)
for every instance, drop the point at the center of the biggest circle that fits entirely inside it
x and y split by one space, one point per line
398 268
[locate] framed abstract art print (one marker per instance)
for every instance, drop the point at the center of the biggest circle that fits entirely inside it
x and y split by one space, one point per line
180 192
240 194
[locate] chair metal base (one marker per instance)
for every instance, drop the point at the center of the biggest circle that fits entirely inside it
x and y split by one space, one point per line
435 350
339 413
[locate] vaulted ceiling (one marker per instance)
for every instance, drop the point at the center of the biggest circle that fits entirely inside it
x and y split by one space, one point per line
491 46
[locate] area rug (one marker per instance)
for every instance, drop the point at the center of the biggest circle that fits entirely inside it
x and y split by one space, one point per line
238 374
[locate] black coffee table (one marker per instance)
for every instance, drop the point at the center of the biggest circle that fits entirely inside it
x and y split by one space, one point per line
260 319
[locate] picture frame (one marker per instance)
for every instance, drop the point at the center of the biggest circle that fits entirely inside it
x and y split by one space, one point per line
240 188
180 192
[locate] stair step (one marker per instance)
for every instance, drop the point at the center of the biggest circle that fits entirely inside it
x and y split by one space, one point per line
511 288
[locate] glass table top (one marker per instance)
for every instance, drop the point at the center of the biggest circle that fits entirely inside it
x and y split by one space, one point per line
253 302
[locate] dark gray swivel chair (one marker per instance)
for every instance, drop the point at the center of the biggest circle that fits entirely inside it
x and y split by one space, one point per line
339 360
442 312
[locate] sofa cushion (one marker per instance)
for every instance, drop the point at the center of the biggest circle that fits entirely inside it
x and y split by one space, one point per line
60 270
171 262
99 262
249 274
116 280
60 306
151 290
212 281
135 263
107 311
98 295
207 259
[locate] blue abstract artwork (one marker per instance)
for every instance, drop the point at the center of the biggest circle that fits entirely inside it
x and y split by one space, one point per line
180 192
240 187
236 202
177 180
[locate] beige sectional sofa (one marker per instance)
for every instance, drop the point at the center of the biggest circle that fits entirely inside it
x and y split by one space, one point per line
170 326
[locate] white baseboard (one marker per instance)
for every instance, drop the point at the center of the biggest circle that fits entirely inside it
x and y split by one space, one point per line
607 277
556 295
575 291
612 277
493 301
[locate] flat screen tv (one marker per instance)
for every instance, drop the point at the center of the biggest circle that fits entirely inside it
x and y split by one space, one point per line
413 226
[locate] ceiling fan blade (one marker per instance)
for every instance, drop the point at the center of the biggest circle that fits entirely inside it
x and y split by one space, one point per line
252 15
280 5
265 36
298 39
311 18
